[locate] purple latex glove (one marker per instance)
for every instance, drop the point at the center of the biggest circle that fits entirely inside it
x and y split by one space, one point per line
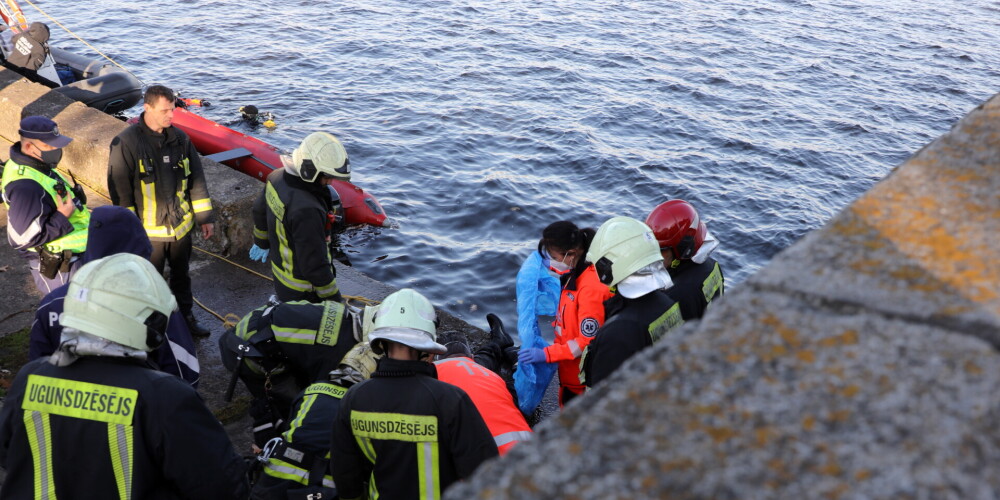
531 355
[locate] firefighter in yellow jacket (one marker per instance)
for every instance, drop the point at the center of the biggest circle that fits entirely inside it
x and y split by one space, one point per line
154 170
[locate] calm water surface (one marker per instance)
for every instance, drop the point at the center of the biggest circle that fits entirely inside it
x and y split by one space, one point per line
477 123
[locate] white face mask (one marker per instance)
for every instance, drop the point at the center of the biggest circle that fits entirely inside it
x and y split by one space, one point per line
559 267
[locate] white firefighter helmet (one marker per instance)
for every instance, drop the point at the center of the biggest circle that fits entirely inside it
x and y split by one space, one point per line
407 317
120 298
626 255
321 153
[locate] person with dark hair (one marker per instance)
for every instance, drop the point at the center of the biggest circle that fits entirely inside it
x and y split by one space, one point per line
686 246
155 171
47 216
581 305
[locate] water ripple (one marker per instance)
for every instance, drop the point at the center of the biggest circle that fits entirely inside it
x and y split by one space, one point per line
477 124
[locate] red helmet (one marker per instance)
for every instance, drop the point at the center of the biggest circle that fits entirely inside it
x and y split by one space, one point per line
677 227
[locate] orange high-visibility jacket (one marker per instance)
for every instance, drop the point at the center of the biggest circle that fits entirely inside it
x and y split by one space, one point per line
489 393
579 316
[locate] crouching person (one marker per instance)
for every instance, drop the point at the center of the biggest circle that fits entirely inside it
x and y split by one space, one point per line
95 421
296 464
279 350
403 432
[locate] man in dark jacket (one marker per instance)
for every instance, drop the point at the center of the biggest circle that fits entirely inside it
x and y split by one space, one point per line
47 215
116 230
30 48
405 433
296 214
627 258
686 246
154 170
278 350
94 421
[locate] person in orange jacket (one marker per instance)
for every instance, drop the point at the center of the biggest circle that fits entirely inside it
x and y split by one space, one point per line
489 392
581 305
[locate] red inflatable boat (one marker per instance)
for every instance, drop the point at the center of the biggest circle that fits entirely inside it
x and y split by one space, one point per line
257 159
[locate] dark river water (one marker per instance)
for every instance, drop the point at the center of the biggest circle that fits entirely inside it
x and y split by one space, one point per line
477 123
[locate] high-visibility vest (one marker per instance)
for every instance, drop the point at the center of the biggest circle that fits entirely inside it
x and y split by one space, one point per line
75 240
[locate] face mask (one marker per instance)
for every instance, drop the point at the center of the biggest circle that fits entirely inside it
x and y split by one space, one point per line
52 157
559 267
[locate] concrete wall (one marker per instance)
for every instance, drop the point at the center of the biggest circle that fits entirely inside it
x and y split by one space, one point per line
860 363
87 156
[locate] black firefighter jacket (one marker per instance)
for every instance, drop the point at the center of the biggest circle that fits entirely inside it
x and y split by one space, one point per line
291 217
632 325
407 433
112 428
160 178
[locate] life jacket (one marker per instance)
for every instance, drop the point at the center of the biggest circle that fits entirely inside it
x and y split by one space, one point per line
75 240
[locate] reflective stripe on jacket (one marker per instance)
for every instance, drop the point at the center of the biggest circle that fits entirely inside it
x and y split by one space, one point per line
304 338
160 178
76 240
290 217
137 432
695 286
632 325
307 438
406 434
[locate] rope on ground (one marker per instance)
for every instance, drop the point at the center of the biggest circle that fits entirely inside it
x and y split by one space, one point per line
46 14
227 320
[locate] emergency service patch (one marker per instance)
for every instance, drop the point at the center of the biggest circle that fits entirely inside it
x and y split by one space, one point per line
589 326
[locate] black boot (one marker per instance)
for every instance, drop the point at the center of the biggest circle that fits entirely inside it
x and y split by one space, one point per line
497 332
196 329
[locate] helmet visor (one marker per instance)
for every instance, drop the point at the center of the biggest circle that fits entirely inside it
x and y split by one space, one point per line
645 280
417 339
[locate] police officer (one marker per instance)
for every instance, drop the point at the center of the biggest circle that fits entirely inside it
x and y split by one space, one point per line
686 247
278 350
627 259
95 421
46 214
154 170
405 433
296 215
297 463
